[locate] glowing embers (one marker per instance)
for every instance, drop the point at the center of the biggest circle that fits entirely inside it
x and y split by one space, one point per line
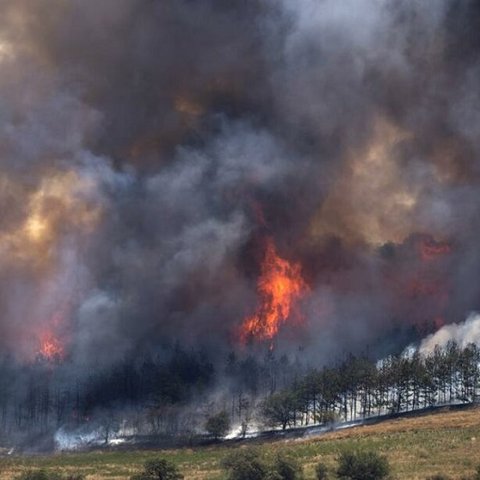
51 348
52 339
279 287
430 249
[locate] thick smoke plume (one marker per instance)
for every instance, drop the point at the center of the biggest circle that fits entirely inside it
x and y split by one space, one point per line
151 149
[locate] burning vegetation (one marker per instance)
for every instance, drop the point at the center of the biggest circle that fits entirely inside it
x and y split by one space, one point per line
279 287
145 148
431 249
51 348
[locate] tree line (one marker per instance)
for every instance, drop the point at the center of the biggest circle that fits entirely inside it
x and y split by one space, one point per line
359 387
176 395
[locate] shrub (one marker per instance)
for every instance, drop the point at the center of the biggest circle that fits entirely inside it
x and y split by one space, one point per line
321 471
44 475
247 465
287 468
439 476
38 475
273 475
362 466
218 425
159 469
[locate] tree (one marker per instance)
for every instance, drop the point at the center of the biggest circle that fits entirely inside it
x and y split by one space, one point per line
280 409
362 466
245 465
218 425
109 425
245 412
467 363
158 469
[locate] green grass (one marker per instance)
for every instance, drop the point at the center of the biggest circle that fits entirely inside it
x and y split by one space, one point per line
417 447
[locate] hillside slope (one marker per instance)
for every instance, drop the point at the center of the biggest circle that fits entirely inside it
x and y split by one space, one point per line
444 442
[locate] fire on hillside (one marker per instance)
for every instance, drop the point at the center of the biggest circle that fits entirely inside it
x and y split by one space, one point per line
204 201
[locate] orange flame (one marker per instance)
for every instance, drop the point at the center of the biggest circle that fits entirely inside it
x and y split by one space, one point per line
51 344
431 249
51 348
280 285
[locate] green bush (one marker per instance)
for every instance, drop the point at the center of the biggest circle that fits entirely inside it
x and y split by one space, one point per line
158 469
321 471
44 475
362 466
218 425
272 475
247 465
38 475
287 468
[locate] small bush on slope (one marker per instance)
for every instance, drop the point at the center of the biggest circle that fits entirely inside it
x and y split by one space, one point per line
362 466
159 469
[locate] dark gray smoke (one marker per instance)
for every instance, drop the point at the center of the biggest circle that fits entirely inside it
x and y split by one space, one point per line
148 148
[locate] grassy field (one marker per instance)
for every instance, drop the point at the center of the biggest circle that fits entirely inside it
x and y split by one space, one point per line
444 442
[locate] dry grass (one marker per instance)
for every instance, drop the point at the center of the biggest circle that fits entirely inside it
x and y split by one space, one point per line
444 442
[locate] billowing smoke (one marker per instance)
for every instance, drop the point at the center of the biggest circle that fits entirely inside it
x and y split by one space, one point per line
151 151
461 333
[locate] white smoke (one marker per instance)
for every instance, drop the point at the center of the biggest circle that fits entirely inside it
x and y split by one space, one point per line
81 438
461 333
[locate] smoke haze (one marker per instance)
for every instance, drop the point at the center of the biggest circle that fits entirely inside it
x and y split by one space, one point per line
150 149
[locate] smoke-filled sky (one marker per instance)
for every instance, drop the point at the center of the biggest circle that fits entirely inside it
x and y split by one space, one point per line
151 150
